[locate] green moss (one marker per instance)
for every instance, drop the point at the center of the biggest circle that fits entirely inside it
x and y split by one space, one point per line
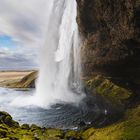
3 133
6 119
73 134
5 139
101 86
34 127
54 133
126 129
25 126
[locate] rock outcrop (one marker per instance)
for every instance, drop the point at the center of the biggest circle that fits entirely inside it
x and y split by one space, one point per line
111 40
116 95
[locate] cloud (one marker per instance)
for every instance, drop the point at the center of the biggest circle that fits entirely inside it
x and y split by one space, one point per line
11 60
16 63
25 22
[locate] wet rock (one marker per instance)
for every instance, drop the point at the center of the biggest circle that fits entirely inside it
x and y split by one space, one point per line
82 123
72 138
25 126
54 133
99 85
11 138
126 129
5 118
34 127
3 133
72 135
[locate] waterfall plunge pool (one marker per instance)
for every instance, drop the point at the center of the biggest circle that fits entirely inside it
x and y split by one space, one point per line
91 111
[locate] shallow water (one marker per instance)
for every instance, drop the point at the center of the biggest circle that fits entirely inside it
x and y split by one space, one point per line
91 111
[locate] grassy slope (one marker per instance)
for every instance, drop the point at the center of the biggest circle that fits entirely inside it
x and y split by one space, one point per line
126 129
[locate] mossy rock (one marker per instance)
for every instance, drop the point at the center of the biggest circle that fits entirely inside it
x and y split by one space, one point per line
25 126
8 130
5 118
34 127
3 133
5 139
102 86
128 128
72 135
54 133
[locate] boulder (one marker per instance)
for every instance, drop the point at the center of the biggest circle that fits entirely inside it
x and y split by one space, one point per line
5 118
25 126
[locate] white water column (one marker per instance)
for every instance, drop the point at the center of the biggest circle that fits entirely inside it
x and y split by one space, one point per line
60 57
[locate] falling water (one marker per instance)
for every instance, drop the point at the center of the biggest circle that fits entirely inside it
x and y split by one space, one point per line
60 60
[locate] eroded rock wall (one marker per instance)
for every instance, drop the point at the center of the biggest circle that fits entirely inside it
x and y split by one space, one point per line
111 39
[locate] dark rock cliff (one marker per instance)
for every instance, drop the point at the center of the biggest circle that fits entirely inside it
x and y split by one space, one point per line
111 40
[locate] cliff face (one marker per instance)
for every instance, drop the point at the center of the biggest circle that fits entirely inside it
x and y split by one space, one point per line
111 36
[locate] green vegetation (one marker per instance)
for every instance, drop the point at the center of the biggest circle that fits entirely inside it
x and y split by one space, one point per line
101 86
11 130
126 129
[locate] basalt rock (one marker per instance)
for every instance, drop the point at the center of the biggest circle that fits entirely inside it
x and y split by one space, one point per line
111 40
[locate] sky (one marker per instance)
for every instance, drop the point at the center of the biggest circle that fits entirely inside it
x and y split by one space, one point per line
22 33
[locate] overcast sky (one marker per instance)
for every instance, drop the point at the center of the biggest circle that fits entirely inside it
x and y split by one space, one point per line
22 32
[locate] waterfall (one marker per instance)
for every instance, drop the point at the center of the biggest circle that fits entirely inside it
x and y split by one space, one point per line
59 75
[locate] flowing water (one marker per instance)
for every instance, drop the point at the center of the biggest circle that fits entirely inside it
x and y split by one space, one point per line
60 56
91 111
